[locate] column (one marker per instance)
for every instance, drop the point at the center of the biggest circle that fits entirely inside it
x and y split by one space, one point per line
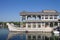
48 17
31 17
36 25
31 25
49 24
53 17
58 24
26 17
57 17
53 24
41 24
26 25
44 24
41 17
44 17
22 18
36 17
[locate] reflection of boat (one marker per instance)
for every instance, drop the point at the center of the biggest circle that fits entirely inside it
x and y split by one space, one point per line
29 36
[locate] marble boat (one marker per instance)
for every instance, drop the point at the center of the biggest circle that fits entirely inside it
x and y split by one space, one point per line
43 21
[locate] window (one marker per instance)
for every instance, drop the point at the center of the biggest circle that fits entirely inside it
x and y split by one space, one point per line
29 37
39 26
34 25
51 24
51 17
42 17
46 24
24 24
23 18
56 23
28 16
34 16
29 25
39 16
46 17
42 23
55 17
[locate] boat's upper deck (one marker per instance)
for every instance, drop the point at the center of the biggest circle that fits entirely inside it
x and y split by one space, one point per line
45 15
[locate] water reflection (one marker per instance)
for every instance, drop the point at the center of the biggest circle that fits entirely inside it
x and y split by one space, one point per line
38 36
6 35
32 36
16 36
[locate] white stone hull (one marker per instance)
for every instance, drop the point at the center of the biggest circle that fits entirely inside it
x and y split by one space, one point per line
43 29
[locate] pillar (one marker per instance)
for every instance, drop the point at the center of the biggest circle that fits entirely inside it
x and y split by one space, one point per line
53 24
36 25
44 17
48 17
58 24
26 25
57 17
31 17
44 24
36 17
31 25
41 24
26 17
41 17
53 17
49 24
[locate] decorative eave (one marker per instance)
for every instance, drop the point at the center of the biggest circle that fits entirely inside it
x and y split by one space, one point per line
44 12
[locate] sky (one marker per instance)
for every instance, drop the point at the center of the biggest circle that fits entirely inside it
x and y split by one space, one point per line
10 9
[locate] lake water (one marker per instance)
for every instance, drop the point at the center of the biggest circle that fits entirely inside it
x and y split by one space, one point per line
6 35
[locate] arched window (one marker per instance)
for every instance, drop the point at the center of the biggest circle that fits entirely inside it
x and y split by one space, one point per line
34 25
29 25
46 17
39 16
